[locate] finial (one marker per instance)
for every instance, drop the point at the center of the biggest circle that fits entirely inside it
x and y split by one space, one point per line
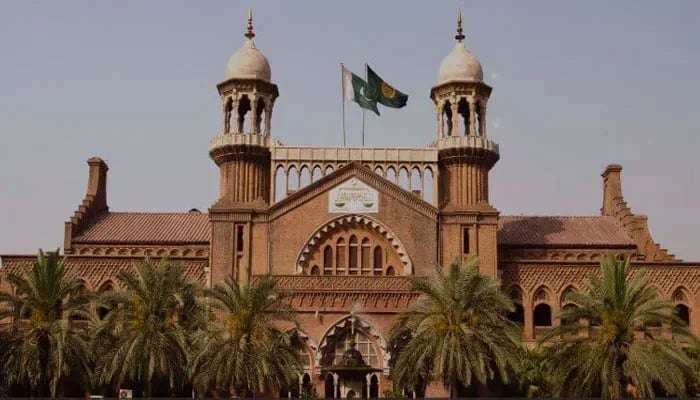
460 33
249 33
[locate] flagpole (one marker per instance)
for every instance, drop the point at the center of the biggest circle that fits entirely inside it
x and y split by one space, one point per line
363 110
342 99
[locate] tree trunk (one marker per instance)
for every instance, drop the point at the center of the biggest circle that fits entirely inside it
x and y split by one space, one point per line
453 388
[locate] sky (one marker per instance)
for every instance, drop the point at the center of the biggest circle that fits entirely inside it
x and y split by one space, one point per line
577 85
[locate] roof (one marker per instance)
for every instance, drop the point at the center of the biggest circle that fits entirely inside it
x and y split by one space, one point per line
193 227
561 231
95 271
131 227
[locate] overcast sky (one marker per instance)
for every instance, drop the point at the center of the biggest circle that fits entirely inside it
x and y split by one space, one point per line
577 85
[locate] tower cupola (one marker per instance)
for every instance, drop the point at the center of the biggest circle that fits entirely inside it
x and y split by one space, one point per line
242 148
465 153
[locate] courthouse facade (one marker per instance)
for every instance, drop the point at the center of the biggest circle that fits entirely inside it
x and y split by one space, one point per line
343 227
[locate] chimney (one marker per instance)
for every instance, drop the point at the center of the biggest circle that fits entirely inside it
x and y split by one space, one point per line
97 183
612 188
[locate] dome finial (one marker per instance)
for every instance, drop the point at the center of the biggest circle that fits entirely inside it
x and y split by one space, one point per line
249 32
460 33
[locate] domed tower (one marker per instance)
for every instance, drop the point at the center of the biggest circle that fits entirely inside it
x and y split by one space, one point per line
242 153
242 149
468 223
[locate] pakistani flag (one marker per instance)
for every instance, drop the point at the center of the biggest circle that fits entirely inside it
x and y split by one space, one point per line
355 88
382 92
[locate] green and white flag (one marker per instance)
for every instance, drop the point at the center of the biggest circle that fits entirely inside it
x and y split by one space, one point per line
380 91
354 89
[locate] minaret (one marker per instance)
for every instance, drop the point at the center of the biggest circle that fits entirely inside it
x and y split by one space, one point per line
468 223
242 152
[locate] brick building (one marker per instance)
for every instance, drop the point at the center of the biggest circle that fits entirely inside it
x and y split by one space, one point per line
342 227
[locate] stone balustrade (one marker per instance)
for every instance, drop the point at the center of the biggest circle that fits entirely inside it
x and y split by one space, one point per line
230 139
475 142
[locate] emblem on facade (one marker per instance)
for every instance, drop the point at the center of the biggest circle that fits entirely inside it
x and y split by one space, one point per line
353 196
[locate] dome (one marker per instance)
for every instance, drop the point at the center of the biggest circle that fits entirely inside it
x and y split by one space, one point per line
248 63
460 65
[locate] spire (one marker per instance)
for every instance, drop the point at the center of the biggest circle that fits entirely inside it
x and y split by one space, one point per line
249 32
460 33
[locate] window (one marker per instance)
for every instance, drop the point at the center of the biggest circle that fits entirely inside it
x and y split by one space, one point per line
362 343
390 271
465 240
543 315
364 258
378 261
239 238
314 270
352 270
328 260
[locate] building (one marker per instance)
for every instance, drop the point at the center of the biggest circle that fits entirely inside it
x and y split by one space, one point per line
342 227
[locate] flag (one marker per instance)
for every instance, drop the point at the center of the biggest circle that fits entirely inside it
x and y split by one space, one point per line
380 91
354 89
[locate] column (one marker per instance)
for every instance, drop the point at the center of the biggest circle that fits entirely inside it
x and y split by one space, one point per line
286 183
472 117
436 187
254 115
227 116
368 379
335 386
273 185
482 121
440 127
268 116
528 328
455 119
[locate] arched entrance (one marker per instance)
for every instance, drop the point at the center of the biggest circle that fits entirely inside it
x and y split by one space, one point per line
352 359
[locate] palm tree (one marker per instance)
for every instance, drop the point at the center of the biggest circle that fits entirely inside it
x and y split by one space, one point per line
458 328
147 335
533 374
245 349
622 353
43 345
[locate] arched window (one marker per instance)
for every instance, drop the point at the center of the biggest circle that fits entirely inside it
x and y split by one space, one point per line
390 271
542 315
364 258
315 270
329 386
340 257
104 309
352 256
328 260
374 387
683 313
306 384
378 261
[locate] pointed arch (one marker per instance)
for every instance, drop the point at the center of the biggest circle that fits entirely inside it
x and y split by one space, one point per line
344 220
391 175
404 179
361 324
563 300
304 177
316 173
